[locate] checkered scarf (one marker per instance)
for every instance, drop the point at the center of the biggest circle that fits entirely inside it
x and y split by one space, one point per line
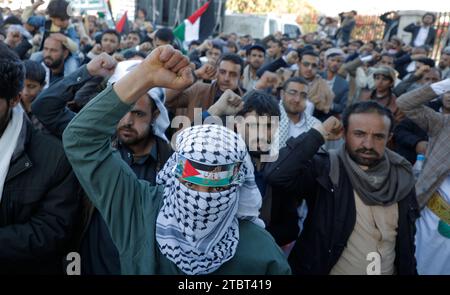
199 231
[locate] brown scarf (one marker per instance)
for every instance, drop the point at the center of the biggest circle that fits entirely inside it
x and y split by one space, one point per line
387 183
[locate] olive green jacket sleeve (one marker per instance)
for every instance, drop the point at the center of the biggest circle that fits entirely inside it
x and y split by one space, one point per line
108 181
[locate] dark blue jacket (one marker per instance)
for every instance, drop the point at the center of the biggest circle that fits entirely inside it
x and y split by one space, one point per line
414 30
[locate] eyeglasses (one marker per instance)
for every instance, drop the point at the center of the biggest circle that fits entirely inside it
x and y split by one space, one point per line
300 94
308 64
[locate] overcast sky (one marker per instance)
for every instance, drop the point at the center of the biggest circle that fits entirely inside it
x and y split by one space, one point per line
333 7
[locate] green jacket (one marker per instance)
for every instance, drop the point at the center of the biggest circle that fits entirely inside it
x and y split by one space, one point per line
130 206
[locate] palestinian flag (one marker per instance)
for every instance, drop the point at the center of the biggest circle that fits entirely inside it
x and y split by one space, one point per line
199 26
122 24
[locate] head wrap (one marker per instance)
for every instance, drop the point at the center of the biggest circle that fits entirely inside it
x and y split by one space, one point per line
156 94
334 52
199 231
386 71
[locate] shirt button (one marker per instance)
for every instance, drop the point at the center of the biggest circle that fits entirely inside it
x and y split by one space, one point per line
27 164
78 79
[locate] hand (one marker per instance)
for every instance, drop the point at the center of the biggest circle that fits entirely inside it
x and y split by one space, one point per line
206 72
102 65
206 45
228 104
118 57
423 69
333 128
407 48
376 56
267 80
145 47
37 39
292 58
421 147
168 68
97 49
36 4
60 37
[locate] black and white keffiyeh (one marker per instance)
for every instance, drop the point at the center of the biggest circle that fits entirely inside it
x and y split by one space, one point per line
199 231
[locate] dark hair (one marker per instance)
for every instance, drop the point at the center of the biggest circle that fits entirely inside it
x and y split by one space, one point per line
255 47
132 53
34 71
260 102
111 32
11 20
432 15
195 42
12 73
276 41
217 46
309 52
388 55
299 80
165 34
367 107
232 44
144 11
234 58
58 8
136 33
374 43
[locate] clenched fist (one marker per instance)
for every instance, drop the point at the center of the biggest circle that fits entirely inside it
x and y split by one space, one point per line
228 104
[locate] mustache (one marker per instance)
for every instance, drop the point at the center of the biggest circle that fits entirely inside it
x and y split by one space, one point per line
367 151
127 128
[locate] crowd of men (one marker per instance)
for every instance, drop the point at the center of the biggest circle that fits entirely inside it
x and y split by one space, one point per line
119 147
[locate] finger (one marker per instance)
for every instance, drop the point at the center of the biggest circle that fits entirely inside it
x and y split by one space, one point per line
186 77
240 106
165 52
182 63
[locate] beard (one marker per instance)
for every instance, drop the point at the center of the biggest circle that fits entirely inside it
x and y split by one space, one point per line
53 64
358 156
130 136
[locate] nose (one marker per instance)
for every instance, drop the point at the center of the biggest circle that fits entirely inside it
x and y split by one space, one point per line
368 143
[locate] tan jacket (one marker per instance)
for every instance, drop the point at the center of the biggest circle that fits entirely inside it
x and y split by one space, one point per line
199 95
437 125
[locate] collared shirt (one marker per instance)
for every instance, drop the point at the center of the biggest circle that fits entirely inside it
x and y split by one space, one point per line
144 167
421 36
331 82
306 122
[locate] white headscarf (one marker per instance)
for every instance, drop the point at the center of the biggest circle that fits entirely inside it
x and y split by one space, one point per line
8 142
161 123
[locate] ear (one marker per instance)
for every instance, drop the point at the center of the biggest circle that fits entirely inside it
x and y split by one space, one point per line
15 101
66 53
155 115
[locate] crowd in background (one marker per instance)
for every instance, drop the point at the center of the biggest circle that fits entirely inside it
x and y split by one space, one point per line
363 130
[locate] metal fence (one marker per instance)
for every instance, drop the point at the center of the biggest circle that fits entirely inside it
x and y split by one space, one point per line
370 27
442 34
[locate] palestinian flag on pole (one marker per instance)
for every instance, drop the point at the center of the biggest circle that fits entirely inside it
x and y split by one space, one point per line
199 26
122 24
